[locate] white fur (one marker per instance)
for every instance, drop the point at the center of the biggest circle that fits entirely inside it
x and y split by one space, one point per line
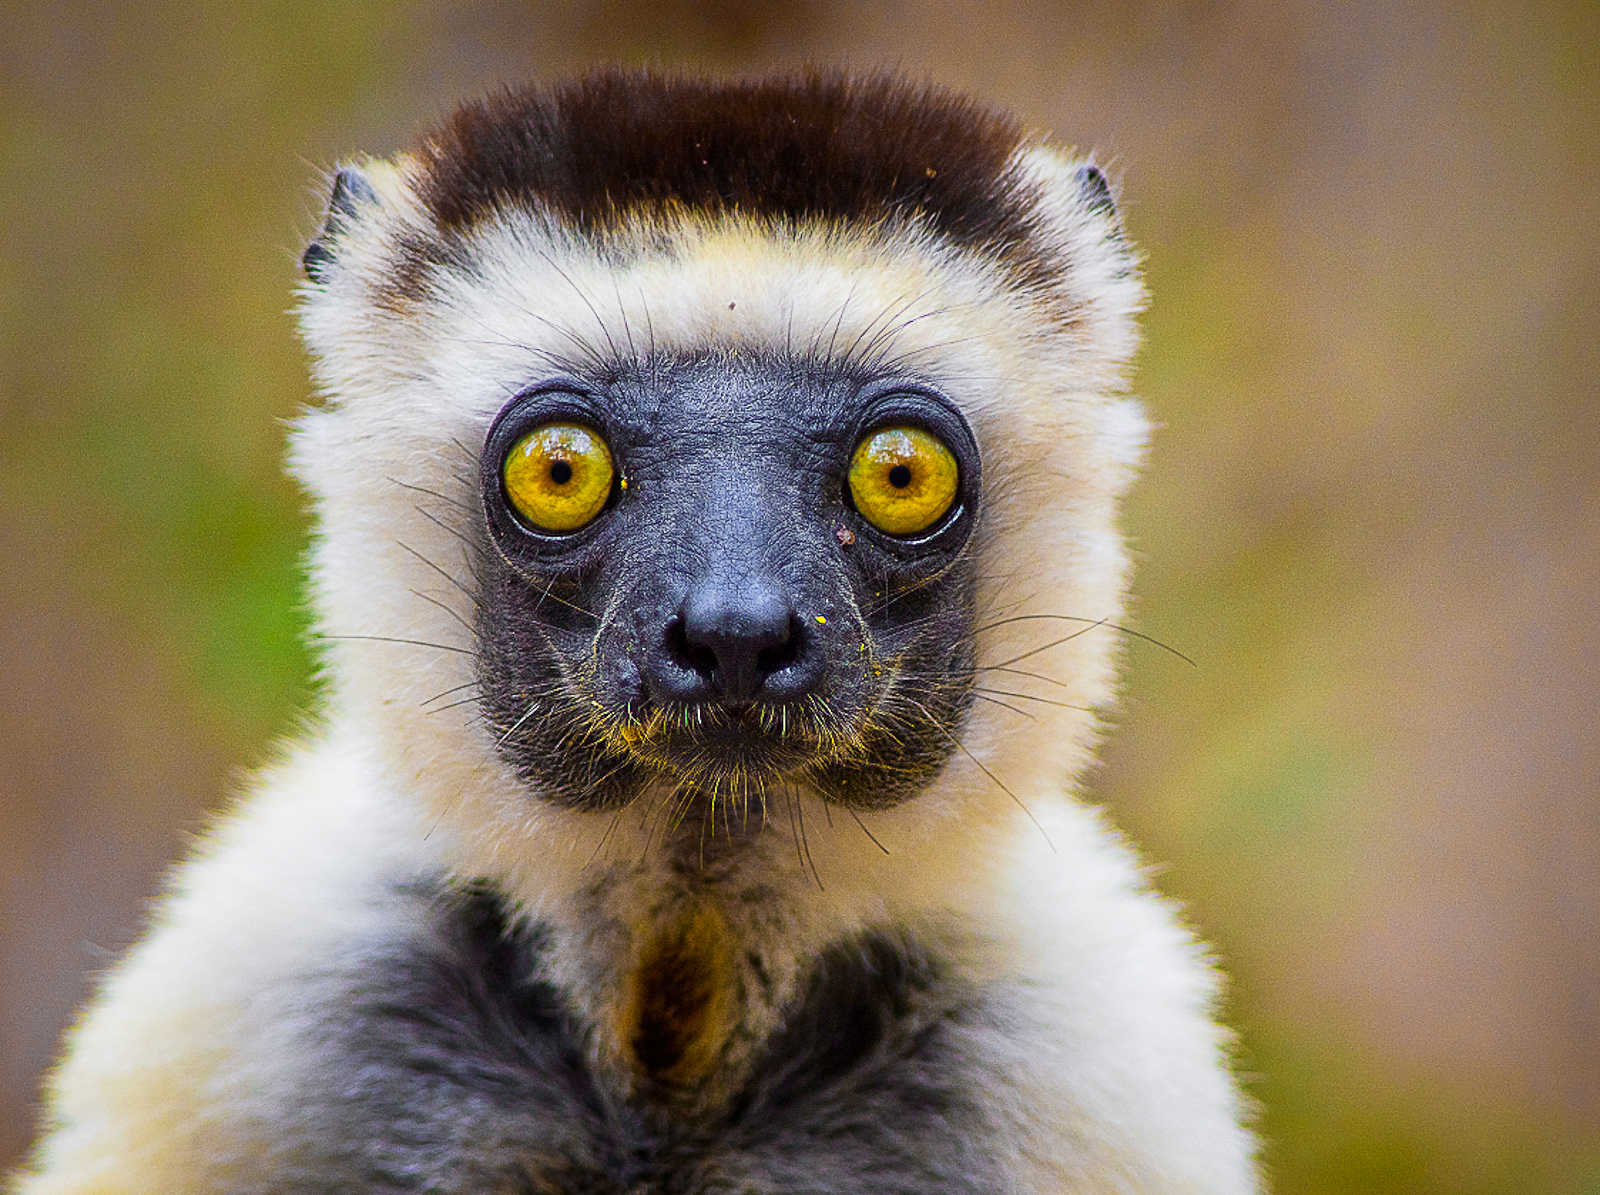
1111 1073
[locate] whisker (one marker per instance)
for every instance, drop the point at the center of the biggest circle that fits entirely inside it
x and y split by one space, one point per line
533 708
1038 676
983 695
1066 705
439 709
583 296
1047 646
1093 622
452 613
445 573
979 764
627 329
472 545
395 639
805 843
452 689
606 837
870 835
418 489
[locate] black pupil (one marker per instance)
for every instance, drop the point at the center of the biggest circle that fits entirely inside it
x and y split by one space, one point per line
900 476
561 472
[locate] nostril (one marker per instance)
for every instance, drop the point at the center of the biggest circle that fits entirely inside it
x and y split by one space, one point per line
692 657
772 660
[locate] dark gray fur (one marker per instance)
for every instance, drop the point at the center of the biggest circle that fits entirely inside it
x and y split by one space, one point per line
451 1066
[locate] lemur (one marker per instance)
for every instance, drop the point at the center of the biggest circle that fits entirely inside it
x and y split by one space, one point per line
718 588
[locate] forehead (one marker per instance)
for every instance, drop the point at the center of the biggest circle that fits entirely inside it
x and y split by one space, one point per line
729 290
600 149
711 388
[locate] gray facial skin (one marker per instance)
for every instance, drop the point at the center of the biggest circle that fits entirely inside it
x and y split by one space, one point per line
729 598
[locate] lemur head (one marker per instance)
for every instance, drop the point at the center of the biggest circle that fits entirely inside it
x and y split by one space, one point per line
692 439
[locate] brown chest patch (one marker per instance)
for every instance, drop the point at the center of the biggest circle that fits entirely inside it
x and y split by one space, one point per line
675 1023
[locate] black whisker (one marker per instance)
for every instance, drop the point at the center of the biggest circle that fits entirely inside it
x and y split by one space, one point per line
983 695
439 709
418 489
394 639
1047 646
452 689
472 545
979 764
805 843
870 835
1066 705
1038 676
435 601
1093 622
445 573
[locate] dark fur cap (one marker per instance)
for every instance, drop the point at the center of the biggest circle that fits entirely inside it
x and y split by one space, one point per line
816 145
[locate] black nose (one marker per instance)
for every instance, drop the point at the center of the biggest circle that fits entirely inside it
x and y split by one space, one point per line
734 644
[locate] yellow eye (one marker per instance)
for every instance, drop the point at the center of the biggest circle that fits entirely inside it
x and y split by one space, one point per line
558 476
903 480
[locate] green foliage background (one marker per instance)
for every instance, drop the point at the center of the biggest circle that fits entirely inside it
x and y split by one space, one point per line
1372 514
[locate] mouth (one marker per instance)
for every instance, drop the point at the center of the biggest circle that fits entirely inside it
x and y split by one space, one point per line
712 744
866 749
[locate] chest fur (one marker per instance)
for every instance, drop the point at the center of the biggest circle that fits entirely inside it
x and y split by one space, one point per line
477 1072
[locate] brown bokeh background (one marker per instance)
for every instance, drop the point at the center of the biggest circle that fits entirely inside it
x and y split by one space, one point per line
1372 515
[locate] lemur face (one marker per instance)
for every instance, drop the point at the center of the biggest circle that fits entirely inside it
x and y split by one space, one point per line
721 571
657 474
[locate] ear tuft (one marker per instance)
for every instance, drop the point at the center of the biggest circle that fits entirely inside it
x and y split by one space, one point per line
351 192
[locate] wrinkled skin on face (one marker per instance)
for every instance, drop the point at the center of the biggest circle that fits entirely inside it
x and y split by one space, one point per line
729 621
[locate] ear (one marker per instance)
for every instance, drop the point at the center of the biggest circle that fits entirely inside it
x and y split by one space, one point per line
1071 189
1076 211
352 192
1095 190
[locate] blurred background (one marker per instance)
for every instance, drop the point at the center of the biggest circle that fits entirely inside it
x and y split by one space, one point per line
1372 515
